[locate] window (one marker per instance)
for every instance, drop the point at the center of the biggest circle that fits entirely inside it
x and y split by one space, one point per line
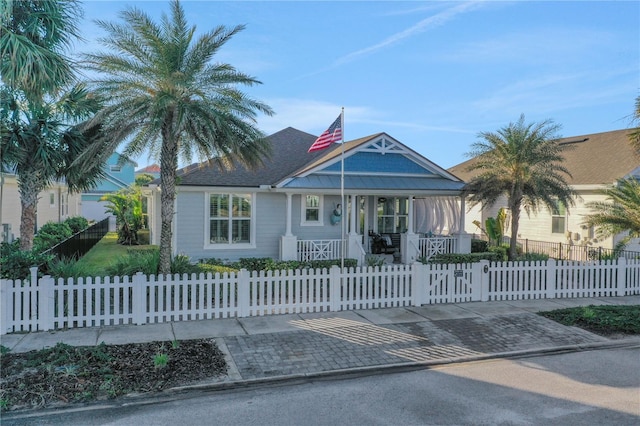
115 168
52 199
312 210
230 218
558 219
64 205
393 215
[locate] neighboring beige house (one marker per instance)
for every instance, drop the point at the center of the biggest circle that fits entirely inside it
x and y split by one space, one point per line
594 161
55 204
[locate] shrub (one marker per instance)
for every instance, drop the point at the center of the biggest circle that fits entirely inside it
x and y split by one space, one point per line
479 246
145 261
16 263
268 264
501 251
533 257
206 267
77 224
50 234
463 258
67 268
181 264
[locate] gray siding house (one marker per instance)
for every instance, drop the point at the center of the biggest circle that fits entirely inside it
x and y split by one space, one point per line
371 196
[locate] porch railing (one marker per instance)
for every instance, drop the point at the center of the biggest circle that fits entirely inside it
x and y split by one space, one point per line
320 249
432 246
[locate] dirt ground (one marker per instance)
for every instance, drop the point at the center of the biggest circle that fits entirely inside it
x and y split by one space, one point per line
65 374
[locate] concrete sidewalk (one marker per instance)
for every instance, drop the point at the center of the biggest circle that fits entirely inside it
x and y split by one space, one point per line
284 346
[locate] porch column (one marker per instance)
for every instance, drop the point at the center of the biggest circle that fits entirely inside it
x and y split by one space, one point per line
464 239
462 213
288 207
354 206
411 218
288 242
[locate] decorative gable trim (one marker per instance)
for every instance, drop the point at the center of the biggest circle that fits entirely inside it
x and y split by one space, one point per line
385 145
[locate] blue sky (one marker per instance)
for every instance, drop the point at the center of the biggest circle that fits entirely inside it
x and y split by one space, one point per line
430 74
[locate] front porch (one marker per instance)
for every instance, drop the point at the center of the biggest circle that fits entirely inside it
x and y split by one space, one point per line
410 249
398 229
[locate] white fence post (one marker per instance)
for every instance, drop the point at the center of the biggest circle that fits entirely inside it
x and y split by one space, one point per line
335 287
244 293
551 279
6 308
418 287
46 299
621 281
484 281
140 284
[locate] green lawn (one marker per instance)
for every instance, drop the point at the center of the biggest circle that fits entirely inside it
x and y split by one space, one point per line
602 319
105 253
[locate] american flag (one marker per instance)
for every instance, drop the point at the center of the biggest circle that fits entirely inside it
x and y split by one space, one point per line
329 136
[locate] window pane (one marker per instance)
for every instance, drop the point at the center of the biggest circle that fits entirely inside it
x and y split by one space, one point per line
241 206
385 225
401 224
218 205
402 206
313 201
557 225
312 215
219 231
241 231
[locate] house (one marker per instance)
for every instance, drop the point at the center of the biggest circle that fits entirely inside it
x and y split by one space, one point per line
292 207
595 161
55 204
119 172
152 169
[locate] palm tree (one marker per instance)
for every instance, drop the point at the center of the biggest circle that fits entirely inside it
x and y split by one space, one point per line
39 119
164 95
634 136
524 163
619 213
41 141
33 35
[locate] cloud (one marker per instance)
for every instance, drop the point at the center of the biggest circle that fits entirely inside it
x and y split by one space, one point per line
534 47
426 24
544 94
307 115
314 116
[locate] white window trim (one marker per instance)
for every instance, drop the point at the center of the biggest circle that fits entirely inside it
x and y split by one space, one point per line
229 245
303 209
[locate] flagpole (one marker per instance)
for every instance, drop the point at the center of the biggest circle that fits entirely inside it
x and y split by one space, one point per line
344 206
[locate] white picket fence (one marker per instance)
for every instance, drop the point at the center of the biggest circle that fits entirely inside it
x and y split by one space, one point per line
47 304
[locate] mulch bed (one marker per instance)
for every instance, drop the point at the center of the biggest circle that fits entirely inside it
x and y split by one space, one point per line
65 374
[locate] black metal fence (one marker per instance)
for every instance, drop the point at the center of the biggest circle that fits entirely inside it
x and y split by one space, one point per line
568 251
79 244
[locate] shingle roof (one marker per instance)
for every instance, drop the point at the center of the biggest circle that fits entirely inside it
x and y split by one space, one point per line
152 168
594 159
289 153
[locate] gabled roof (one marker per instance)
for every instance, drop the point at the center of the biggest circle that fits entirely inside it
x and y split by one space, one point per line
595 159
152 168
288 154
373 162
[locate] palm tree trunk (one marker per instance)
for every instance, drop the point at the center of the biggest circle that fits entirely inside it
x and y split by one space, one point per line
29 188
515 223
168 166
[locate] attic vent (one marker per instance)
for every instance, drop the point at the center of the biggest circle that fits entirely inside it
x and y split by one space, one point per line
574 141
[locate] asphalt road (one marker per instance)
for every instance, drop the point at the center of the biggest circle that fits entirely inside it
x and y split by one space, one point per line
599 387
